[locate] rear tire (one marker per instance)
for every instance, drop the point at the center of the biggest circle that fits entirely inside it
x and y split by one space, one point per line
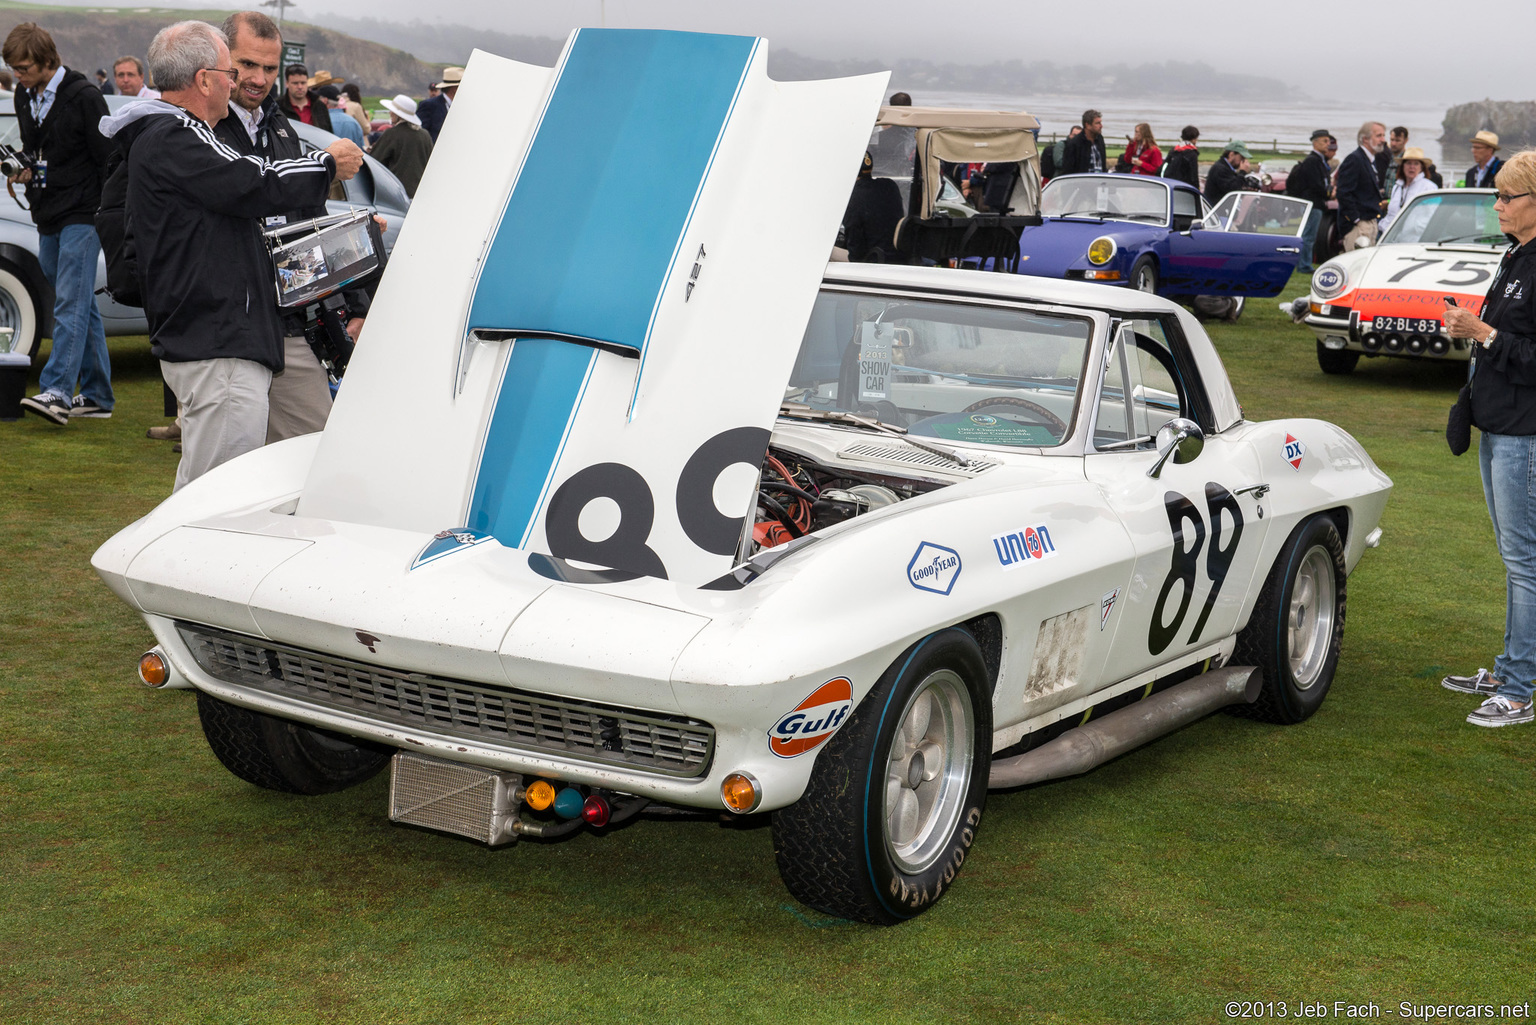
1297 627
1336 361
895 799
280 755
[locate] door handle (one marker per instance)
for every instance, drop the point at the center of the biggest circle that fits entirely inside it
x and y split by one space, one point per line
1288 249
1259 490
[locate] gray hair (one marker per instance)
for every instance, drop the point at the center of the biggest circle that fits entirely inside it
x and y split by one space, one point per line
1366 130
180 51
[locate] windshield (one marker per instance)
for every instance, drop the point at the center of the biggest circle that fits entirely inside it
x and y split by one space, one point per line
974 374
1111 197
1447 217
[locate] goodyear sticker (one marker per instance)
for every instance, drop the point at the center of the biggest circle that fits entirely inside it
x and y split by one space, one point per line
810 723
934 568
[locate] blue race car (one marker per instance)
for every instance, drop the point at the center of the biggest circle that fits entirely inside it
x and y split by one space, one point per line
1161 236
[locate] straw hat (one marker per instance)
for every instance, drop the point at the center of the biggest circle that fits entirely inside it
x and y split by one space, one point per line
324 78
1487 138
1414 153
403 107
451 78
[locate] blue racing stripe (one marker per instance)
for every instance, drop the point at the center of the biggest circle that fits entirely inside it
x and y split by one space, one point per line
589 236
540 391
589 233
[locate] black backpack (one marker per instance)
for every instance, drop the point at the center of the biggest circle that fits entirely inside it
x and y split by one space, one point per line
116 234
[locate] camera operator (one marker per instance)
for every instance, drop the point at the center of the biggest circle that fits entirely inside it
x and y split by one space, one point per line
300 397
196 209
56 111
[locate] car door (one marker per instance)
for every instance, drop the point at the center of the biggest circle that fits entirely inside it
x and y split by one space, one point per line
1249 244
1197 527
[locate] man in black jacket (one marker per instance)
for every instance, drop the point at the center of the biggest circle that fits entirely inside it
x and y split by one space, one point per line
1309 180
1481 174
1359 188
196 209
1084 153
299 401
1229 173
56 112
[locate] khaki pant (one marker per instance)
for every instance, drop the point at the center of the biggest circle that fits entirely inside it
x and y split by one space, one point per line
1362 229
300 398
223 411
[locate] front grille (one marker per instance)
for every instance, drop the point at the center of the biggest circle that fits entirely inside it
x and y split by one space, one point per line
670 745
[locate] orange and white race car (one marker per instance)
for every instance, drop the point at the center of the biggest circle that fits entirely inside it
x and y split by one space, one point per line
1389 299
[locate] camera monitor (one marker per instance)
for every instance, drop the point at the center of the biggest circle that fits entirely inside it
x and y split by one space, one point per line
323 261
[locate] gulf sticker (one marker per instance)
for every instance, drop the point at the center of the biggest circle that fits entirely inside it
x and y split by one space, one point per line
810 723
1294 450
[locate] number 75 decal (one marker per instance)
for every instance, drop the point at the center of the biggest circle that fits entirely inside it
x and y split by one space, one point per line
1187 546
1479 272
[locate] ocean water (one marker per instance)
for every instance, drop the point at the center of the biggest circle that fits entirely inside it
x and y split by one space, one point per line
1257 124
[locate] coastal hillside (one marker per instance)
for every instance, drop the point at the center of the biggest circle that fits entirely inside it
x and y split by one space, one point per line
91 38
1513 123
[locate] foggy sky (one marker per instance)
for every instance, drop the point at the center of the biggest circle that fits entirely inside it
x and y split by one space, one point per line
1411 50
1344 49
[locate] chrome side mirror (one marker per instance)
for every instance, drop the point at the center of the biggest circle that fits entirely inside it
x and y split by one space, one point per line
1180 440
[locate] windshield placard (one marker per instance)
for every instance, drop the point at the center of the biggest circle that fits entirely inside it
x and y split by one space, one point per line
875 341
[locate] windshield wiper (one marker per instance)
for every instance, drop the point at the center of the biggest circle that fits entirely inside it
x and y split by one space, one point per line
1470 238
801 411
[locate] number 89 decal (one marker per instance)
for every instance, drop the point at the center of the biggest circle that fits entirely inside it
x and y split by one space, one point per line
1186 560
626 550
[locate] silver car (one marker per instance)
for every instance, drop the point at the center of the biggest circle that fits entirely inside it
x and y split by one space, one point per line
26 297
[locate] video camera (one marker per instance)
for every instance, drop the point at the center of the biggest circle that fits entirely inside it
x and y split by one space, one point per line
312 261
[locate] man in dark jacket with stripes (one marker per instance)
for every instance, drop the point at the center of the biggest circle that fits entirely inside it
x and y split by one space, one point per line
56 111
299 401
195 207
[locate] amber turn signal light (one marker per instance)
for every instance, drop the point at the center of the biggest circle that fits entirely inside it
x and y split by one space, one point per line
540 795
153 669
740 792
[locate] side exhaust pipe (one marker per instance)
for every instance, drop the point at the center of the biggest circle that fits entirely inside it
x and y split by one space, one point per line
1125 729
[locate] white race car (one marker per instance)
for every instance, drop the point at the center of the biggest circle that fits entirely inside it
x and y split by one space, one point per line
1389 299
642 501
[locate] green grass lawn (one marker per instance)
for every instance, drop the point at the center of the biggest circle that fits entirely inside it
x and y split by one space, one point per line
1374 853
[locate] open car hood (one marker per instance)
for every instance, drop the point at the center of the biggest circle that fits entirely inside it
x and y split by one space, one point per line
586 327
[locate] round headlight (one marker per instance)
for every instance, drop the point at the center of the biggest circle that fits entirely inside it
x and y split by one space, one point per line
1329 281
1101 250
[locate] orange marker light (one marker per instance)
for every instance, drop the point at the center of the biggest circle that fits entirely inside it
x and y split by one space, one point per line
153 669
740 793
540 795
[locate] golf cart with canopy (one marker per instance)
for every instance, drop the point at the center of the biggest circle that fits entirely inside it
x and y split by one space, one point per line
920 148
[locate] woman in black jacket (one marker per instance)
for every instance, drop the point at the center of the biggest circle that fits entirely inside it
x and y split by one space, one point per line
1503 388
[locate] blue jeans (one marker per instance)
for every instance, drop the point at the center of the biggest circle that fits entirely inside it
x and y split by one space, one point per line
79 339
1309 240
1509 483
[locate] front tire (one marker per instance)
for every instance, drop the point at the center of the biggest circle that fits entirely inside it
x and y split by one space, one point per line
1297 627
280 755
1336 361
1144 276
895 799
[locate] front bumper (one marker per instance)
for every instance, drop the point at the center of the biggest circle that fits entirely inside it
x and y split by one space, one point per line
1346 333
